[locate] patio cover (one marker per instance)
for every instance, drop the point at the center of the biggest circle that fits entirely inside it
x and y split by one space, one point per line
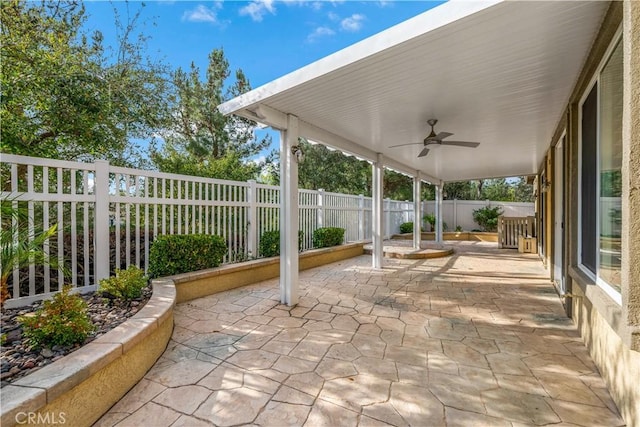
496 72
499 73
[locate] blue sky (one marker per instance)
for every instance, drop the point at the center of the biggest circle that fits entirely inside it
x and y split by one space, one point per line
265 38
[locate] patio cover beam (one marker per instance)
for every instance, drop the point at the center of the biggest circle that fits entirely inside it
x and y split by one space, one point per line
278 120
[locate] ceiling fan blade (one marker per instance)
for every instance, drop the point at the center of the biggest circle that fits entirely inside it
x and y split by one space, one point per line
402 145
442 135
424 152
461 143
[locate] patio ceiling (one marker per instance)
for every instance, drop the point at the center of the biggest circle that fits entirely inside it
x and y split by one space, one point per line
499 73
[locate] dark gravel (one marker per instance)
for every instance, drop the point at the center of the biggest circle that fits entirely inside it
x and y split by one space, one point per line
17 359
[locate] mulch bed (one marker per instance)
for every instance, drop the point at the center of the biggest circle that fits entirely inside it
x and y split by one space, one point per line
17 359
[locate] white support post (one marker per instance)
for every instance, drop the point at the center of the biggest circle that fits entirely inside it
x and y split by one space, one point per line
417 212
377 212
252 232
101 232
439 213
361 217
320 211
289 213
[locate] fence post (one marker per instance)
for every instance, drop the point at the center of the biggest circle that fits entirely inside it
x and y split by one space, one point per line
320 210
455 214
361 217
101 232
387 217
252 232
500 232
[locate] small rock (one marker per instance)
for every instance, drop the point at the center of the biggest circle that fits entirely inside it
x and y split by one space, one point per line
14 335
28 364
46 352
14 370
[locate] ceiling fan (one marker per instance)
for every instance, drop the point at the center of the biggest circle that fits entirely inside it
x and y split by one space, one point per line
434 138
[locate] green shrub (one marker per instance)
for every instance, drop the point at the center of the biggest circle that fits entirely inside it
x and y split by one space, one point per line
458 228
270 243
328 236
181 253
61 321
406 227
487 217
127 284
431 219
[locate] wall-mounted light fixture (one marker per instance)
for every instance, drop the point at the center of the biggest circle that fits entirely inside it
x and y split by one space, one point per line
297 153
546 185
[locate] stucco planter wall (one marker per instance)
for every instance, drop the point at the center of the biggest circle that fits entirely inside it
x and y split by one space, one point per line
474 236
77 389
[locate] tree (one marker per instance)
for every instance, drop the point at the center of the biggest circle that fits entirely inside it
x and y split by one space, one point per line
523 192
462 190
64 95
201 140
332 171
397 186
498 189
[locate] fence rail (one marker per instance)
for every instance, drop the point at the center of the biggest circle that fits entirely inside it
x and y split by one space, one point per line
108 216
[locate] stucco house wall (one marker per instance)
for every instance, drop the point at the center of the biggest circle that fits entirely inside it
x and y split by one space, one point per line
611 330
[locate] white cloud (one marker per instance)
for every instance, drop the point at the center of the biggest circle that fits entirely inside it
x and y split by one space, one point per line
352 23
320 32
333 16
257 9
201 13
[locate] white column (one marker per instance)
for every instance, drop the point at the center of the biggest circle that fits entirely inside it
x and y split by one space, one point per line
377 214
252 232
439 213
417 211
101 239
289 213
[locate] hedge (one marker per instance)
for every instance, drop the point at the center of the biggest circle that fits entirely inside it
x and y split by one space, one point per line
406 227
328 236
270 243
175 254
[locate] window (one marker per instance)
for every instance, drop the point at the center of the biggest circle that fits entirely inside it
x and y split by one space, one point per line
610 151
600 176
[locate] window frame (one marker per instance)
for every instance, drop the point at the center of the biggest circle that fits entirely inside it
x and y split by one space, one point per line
601 283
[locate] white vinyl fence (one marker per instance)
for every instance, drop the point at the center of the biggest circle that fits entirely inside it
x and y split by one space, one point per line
460 212
108 216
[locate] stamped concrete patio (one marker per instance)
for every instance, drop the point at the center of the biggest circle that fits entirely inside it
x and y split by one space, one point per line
478 338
